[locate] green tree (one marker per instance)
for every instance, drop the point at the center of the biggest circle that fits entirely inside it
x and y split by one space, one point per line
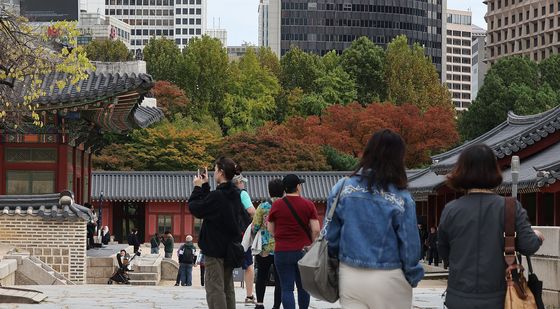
162 58
364 61
550 71
335 86
250 99
288 104
511 84
268 59
300 70
108 51
412 78
338 160
204 77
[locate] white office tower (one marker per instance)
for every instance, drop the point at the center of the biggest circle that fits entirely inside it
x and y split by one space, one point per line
178 20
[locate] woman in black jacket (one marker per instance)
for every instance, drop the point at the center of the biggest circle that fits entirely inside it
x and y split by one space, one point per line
471 233
222 212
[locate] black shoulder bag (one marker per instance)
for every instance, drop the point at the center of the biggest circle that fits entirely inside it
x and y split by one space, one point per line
298 219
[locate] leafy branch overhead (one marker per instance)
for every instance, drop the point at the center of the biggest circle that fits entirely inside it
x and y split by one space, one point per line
28 54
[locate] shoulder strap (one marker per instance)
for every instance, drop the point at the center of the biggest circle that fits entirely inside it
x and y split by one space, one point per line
298 219
509 234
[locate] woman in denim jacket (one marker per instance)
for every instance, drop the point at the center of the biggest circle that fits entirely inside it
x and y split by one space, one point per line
374 230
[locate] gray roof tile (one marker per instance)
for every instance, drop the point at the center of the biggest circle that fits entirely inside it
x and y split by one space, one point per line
46 206
511 136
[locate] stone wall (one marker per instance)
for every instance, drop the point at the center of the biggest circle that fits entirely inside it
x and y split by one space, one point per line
7 272
546 264
59 243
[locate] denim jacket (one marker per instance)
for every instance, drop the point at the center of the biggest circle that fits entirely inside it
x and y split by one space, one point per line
375 229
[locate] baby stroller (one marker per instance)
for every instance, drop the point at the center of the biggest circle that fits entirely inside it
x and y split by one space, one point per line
121 274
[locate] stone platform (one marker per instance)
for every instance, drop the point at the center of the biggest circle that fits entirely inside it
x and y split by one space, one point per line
120 296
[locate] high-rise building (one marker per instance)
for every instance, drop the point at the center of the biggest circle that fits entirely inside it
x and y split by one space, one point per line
178 20
523 27
220 34
320 26
458 70
479 67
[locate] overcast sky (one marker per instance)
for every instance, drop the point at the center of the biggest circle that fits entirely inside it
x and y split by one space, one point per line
239 17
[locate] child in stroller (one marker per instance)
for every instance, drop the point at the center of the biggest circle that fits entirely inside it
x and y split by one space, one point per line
121 274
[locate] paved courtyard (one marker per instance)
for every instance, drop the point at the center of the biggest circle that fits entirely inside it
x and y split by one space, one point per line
165 297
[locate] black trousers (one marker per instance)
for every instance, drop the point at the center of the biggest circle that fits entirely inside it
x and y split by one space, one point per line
202 275
433 256
264 265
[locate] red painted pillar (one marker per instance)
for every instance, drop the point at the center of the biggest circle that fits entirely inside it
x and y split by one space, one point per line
147 221
62 173
183 222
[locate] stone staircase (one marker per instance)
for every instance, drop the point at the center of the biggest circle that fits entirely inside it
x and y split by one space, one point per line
146 270
31 270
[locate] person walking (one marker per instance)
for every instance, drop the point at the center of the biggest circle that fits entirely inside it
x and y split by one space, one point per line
186 255
133 240
168 244
220 235
423 237
249 271
373 232
431 242
265 259
154 244
294 223
471 233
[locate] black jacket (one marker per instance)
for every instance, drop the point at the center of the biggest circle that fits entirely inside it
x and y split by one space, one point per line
432 240
471 237
133 240
221 211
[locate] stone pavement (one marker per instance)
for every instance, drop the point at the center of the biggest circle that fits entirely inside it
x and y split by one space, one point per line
121 296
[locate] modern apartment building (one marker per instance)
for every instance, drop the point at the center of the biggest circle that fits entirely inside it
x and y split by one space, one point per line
319 26
178 20
458 71
479 67
522 27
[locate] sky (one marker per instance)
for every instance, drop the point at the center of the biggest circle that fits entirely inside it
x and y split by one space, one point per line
240 17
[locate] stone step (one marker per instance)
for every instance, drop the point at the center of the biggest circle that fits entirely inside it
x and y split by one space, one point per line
143 282
143 276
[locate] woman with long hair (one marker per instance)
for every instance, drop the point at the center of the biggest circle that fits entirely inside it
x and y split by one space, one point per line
471 233
374 231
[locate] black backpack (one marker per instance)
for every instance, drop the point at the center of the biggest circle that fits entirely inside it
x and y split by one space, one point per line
187 257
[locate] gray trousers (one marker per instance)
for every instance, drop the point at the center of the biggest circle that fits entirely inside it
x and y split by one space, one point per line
218 282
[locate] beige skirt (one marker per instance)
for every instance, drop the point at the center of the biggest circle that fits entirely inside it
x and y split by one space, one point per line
363 288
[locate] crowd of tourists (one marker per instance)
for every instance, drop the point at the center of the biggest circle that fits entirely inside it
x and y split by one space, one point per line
371 229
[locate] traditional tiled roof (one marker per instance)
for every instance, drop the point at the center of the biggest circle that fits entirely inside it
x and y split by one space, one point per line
106 99
145 116
548 174
48 206
508 138
536 171
177 186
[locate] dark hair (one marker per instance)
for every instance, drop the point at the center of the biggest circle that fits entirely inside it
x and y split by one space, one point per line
276 188
88 205
167 232
229 167
382 162
477 168
291 190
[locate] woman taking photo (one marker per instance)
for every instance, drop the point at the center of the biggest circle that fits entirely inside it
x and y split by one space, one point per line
374 231
471 233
